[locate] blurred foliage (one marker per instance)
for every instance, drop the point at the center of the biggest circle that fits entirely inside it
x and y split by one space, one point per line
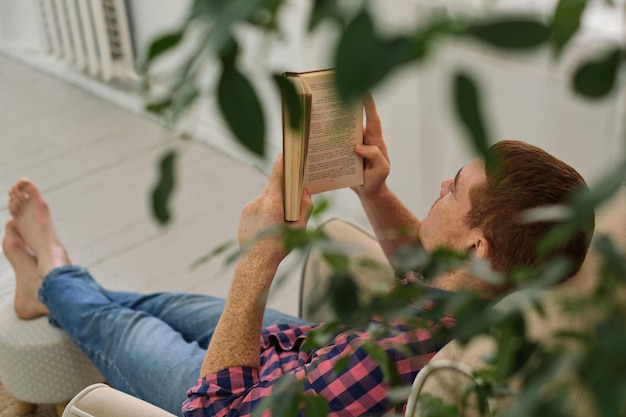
364 57
164 188
431 406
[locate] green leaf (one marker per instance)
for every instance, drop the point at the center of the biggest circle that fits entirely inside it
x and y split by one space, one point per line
224 15
566 22
354 51
431 406
338 261
314 405
410 258
387 365
322 10
468 108
161 45
511 32
285 404
229 51
596 77
514 349
607 186
299 238
163 190
290 99
363 58
555 271
266 15
583 207
203 9
321 205
284 398
613 260
344 298
182 98
218 250
160 106
241 109
443 260
340 366
320 336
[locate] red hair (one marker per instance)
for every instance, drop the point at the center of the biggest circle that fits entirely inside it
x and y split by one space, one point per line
525 177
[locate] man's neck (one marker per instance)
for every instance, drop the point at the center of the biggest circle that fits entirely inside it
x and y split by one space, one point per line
460 280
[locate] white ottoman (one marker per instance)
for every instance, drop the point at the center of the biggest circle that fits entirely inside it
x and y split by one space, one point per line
39 364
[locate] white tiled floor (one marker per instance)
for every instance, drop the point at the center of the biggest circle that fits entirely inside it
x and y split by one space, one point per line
96 163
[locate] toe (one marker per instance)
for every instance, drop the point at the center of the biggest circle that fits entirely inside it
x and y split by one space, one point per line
25 185
12 237
13 208
9 226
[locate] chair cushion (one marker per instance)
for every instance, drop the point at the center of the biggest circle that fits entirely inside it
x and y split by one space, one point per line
34 352
100 400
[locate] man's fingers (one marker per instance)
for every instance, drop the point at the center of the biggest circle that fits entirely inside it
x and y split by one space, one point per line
373 125
370 105
306 206
372 153
275 178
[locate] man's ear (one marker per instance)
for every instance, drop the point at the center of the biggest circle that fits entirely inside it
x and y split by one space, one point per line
481 246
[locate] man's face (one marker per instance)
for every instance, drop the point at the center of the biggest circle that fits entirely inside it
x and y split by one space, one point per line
444 226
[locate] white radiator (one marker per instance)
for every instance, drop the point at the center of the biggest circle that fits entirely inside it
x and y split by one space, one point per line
91 35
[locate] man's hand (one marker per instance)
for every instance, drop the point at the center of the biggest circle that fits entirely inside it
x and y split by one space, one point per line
373 151
267 211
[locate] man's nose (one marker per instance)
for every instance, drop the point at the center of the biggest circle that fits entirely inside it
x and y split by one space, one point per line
445 188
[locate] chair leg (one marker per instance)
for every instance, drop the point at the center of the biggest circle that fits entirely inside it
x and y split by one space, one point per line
61 408
22 408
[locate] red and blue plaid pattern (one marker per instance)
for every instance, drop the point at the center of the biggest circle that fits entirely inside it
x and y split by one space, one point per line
359 389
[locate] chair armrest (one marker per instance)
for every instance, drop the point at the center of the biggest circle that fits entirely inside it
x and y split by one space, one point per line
461 373
372 277
100 400
450 372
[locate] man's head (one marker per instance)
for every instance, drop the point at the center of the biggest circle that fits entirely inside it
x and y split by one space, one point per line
481 210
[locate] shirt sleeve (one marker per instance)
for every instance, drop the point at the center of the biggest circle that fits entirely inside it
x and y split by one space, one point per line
226 390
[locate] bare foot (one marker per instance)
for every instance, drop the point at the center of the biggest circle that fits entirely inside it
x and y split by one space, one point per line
34 223
27 275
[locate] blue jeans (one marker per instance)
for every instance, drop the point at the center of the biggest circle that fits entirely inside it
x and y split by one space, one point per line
149 346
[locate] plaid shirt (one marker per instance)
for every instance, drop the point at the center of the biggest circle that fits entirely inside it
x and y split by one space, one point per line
358 390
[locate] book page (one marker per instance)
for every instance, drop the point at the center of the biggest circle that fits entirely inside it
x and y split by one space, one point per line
295 144
334 131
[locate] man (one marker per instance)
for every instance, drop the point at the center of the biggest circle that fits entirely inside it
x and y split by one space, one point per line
155 346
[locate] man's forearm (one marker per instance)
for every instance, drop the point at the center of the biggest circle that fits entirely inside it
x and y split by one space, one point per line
393 224
236 338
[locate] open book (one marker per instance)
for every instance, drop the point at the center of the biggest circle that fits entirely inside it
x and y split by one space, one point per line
319 151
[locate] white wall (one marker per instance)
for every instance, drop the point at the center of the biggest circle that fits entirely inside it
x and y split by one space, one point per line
152 18
19 25
526 97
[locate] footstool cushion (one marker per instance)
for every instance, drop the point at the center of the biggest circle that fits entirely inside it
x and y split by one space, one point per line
38 362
